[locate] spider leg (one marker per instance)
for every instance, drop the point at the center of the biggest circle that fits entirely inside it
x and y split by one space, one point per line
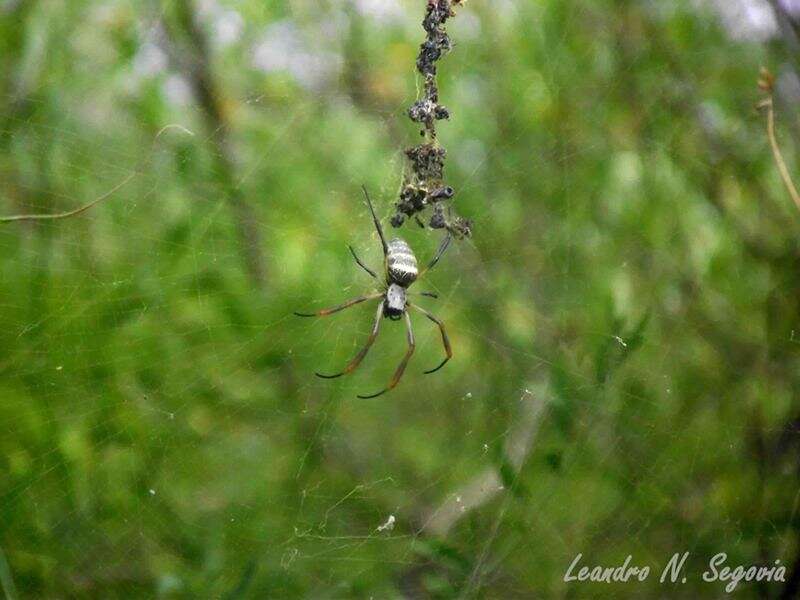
433 295
445 339
442 247
377 223
360 356
400 369
329 311
361 264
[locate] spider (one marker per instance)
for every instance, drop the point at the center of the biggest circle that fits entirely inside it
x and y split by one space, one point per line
400 266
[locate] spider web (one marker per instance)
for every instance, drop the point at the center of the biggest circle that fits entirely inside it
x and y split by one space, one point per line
163 430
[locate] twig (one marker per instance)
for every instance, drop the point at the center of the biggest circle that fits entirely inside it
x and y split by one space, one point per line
776 152
766 83
70 213
108 194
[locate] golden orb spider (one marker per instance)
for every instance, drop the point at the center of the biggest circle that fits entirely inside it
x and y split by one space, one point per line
400 267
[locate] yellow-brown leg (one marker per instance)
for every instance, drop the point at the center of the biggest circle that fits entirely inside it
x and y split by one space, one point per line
400 369
360 356
445 340
329 311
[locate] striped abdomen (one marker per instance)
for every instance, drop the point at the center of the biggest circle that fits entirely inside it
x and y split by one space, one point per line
401 263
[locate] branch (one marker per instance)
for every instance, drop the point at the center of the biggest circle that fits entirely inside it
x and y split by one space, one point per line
197 69
6 580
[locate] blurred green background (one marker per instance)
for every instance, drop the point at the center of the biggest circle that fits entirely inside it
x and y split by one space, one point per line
625 319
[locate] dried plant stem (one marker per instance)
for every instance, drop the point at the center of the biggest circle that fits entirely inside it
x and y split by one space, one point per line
70 213
766 83
776 153
107 195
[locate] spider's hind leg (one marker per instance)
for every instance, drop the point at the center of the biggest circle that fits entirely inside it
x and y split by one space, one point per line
445 340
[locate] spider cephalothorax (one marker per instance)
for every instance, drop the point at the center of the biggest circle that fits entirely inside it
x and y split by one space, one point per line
394 304
401 270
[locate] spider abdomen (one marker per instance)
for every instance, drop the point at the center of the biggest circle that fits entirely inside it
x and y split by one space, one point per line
401 264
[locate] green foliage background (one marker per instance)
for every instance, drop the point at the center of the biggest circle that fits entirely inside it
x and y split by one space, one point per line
634 271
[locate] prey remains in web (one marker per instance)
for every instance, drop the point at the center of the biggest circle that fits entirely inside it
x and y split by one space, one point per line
400 269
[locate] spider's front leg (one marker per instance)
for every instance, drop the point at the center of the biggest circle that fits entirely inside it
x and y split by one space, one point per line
361 264
360 356
329 311
401 369
376 222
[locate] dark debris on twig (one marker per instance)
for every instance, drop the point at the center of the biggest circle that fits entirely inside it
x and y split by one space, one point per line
423 182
